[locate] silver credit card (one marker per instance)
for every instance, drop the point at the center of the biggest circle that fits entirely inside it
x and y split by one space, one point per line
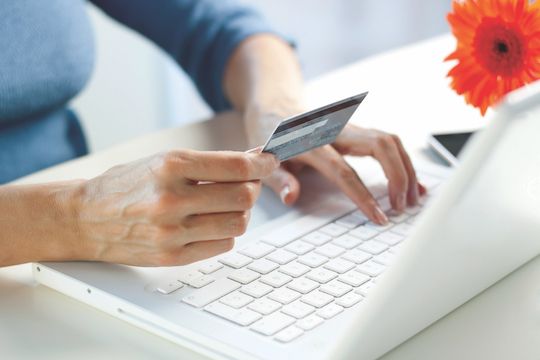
307 131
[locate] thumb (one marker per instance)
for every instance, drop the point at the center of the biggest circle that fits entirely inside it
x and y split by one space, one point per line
284 184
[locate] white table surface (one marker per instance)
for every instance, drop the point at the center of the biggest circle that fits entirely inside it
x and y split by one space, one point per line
409 95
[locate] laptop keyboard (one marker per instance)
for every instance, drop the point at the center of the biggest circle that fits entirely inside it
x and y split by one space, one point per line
285 286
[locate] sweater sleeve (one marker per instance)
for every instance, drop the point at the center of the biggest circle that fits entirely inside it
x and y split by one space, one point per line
199 34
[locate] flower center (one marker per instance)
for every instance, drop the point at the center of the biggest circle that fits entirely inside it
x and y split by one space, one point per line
499 48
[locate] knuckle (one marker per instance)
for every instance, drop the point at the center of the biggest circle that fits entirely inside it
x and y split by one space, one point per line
384 141
244 221
163 237
228 244
395 138
248 194
172 162
239 223
335 163
242 166
162 206
347 174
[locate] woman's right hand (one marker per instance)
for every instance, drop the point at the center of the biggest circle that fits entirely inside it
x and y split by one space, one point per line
170 209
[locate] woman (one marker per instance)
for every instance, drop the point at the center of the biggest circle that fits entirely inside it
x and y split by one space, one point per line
172 208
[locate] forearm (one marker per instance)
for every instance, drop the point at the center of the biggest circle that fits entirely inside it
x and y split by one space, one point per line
38 223
264 74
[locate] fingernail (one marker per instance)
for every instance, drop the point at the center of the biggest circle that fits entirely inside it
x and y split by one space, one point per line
380 216
401 201
284 193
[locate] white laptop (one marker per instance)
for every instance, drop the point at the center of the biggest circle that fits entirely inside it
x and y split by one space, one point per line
321 282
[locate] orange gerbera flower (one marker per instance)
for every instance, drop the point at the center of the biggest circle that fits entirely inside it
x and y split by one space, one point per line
498 48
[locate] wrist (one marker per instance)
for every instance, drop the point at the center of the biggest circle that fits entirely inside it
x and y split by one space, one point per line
60 221
70 243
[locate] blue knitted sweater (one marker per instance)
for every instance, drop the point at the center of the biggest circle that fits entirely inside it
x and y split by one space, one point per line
47 57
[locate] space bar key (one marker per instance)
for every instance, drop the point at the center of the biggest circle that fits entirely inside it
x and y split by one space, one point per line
212 292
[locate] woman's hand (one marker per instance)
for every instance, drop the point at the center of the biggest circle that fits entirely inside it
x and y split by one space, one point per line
170 209
387 149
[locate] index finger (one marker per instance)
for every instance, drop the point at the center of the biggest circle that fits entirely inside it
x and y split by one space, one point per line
332 165
222 166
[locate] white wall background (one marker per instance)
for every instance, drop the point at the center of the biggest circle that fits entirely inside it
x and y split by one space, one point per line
137 89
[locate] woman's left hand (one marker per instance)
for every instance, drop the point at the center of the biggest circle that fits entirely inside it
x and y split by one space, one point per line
387 149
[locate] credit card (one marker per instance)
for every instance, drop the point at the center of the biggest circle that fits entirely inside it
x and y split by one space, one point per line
307 131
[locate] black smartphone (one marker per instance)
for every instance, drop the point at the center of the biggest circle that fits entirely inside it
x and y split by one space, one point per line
449 145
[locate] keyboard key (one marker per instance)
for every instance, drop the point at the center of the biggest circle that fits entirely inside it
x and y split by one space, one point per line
310 322
363 232
256 289
336 288
276 279
412 220
322 276
281 257
352 220
236 261
386 258
357 256
339 265
396 218
242 317
349 299
236 300
389 238
289 334
377 227
273 323
317 238
347 241
210 293
317 299
299 247
284 295
168 287
312 260
201 281
187 276
303 285
402 229
294 269
333 230
210 267
257 251
329 311
297 229
263 266
264 306
244 276
298 309
330 251
415 210
365 289
371 268
373 247
396 248
279 239
354 278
